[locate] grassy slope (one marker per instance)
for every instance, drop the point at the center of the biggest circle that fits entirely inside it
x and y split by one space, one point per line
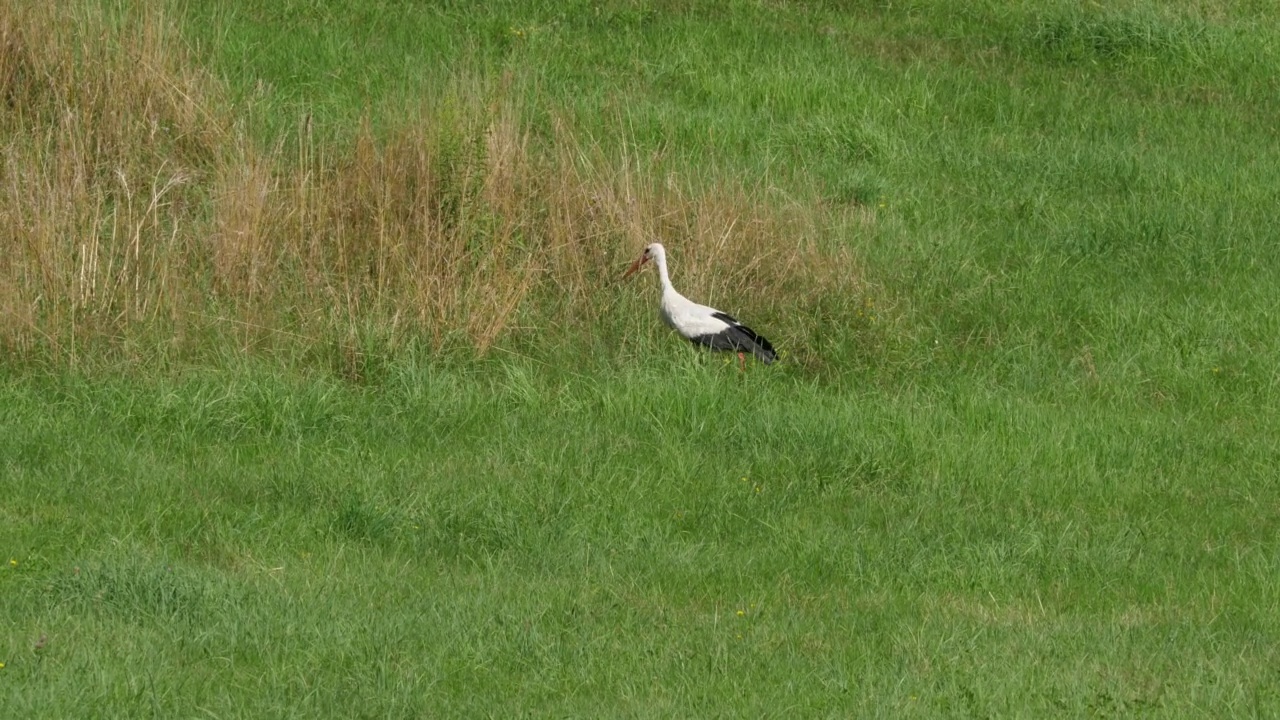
1050 488
1108 173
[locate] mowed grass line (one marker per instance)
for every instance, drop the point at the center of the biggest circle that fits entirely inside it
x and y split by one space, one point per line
644 543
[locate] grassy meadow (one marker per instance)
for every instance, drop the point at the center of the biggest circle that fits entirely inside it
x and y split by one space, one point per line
320 394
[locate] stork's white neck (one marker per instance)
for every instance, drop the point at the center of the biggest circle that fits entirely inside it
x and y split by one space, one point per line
660 259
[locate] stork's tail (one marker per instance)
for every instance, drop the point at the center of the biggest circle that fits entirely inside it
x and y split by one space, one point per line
741 339
765 354
749 339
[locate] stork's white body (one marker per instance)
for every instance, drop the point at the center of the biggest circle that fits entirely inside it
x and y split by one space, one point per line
686 316
698 323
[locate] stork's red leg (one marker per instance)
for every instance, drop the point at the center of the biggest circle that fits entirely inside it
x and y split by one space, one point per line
742 362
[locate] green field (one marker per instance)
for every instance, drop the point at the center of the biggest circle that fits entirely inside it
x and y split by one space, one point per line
320 396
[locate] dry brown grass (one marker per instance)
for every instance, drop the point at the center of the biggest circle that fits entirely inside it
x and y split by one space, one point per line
136 212
106 136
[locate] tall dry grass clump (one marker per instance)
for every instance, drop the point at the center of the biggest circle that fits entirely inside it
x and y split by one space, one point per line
107 133
138 215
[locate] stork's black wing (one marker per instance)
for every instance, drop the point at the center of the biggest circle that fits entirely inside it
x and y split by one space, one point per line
739 338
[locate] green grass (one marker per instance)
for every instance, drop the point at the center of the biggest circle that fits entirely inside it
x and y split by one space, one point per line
674 540
1040 482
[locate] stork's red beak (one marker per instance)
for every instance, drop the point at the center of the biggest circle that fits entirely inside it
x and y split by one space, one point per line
635 266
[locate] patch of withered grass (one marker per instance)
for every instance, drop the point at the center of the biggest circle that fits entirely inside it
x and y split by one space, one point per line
106 135
138 213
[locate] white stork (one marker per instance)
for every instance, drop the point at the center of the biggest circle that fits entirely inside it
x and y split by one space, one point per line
698 323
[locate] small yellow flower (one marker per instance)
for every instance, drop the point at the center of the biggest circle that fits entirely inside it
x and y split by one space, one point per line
742 613
13 563
1 666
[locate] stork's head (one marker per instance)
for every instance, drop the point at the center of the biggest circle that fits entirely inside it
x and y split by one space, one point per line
653 250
